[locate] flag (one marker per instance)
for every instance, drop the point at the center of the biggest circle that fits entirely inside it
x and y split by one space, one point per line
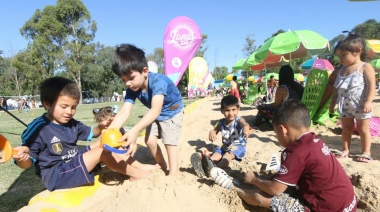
181 41
198 69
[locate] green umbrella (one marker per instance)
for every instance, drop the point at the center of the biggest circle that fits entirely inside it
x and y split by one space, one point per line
292 44
375 64
240 65
255 65
268 75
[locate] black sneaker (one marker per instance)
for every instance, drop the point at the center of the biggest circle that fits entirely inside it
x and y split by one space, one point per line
207 164
196 162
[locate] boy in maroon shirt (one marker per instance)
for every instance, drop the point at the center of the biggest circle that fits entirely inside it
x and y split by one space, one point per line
306 164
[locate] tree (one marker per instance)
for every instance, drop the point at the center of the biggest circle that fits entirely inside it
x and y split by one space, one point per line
158 58
370 29
29 67
202 48
60 36
45 36
79 33
10 81
98 78
249 46
220 72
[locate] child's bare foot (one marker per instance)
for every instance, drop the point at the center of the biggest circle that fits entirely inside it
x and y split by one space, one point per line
172 174
149 167
142 173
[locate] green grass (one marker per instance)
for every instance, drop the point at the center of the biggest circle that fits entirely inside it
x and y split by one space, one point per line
17 186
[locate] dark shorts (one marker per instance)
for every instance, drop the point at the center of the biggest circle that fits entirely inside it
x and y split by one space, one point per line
70 174
238 151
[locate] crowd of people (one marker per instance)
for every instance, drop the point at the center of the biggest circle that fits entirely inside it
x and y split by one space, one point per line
310 177
21 104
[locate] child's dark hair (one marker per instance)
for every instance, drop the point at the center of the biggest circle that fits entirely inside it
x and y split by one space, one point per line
234 78
229 100
128 58
292 113
352 43
52 88
101 114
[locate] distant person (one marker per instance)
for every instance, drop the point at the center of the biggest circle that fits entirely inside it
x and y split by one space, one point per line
272 85
104 116
235 131
288 89
158 93
310 177
32 103
234 88
354 90
24 105
50 142
3 103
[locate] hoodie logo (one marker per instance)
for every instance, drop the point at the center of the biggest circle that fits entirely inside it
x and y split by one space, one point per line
57 147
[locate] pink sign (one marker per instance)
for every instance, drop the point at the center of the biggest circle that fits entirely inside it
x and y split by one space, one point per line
181 41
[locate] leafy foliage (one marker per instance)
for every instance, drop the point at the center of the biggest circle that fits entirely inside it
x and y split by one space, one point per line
60 38
249 46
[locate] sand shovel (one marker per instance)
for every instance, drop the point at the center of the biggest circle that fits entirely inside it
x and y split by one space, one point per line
6 150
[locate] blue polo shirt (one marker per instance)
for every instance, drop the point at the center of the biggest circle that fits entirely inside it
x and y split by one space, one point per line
51 143
158 84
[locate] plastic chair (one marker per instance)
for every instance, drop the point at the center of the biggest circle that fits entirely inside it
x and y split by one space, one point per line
314 89
263 89
322 116
253 92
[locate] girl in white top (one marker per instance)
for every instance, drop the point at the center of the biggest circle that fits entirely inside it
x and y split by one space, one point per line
354 90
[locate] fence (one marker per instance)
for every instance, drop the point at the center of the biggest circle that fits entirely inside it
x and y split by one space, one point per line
14 102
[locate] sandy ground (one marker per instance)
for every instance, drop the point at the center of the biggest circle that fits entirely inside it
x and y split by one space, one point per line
158 192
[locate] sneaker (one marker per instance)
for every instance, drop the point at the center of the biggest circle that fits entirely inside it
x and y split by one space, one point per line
207 165
221 178
196 162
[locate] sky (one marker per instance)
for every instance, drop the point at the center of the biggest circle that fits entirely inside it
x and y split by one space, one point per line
227 23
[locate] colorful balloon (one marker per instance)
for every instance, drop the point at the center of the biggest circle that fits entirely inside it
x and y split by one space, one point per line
152 66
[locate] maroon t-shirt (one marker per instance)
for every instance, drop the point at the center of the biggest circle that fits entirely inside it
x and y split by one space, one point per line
318 176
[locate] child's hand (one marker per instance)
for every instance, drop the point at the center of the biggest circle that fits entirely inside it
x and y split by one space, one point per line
249 177
130 137
367 107
212 136
22 153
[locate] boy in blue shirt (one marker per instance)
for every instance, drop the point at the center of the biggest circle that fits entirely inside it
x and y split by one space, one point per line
158 93
50 142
